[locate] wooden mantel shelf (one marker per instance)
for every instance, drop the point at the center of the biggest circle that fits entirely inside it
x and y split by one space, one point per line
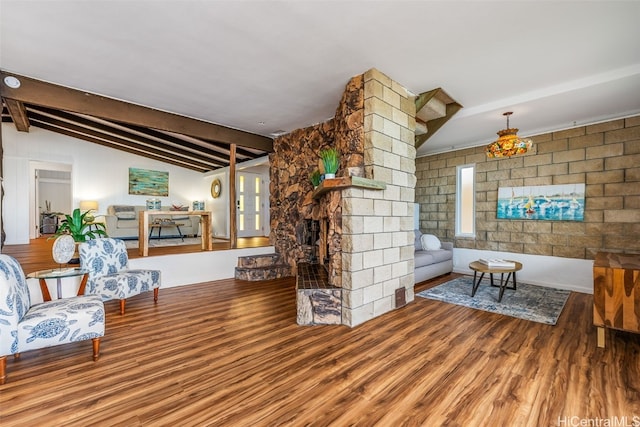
347 182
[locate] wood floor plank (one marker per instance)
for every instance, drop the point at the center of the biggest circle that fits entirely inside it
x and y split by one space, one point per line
229 353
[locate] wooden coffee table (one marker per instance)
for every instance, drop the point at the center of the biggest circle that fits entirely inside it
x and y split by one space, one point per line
479 267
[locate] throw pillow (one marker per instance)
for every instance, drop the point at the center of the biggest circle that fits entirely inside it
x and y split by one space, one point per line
416 241
430 242
126 215
123 208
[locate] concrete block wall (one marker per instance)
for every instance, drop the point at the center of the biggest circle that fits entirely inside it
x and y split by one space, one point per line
604 156
377 225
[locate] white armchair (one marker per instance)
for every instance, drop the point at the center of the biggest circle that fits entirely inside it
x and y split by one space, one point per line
109 274
25 327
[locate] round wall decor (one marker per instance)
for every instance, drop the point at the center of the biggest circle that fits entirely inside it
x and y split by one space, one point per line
216 188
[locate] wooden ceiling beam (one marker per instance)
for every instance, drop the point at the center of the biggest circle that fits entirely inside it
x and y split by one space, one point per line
221 150
186 149
121 144
110 145
32 91
18 114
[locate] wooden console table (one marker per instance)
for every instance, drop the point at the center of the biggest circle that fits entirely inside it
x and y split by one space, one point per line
143 229
616 293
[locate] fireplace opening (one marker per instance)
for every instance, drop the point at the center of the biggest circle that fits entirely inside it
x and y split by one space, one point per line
308 233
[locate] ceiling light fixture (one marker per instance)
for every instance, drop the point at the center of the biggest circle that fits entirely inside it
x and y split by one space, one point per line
508 143
12 82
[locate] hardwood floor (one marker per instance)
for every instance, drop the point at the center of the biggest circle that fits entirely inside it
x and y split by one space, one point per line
229 353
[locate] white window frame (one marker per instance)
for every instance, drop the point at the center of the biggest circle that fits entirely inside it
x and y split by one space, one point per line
467 203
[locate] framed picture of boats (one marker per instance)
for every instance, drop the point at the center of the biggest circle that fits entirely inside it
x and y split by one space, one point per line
542 202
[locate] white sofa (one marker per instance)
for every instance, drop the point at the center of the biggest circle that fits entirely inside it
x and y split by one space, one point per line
431 261
121 222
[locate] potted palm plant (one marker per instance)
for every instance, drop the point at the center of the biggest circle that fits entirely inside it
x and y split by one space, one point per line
80 228
331 161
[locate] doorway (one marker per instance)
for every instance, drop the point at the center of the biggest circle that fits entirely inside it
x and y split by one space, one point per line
250 204
51 193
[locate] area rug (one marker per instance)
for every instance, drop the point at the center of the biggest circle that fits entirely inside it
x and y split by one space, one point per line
530 302
154 243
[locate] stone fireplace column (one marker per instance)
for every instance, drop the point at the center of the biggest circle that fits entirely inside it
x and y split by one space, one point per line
377 225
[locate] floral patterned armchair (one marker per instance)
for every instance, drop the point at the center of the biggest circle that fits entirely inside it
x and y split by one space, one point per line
25 327
109 273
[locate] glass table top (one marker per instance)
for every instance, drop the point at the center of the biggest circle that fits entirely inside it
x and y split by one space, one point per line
57 272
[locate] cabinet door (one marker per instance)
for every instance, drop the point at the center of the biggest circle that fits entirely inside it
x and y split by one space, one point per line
616 298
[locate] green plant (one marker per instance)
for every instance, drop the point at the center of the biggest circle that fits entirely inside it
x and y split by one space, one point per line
79 227
330 159
315 177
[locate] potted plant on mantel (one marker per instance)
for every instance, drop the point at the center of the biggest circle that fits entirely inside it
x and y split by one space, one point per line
80 228
330 161
315 178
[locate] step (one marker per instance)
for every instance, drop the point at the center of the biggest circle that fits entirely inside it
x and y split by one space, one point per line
263 260
270 272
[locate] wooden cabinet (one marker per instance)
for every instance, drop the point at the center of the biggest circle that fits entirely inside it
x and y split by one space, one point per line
616 293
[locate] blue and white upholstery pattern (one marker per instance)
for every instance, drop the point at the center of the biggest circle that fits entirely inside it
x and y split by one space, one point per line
24 327
109 274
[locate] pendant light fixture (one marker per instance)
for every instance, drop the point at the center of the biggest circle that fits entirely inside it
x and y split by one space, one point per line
508 143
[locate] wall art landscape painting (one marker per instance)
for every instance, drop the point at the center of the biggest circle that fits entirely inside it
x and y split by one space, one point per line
542 202
148 183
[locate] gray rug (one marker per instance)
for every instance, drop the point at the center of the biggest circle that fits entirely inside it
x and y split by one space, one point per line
535 303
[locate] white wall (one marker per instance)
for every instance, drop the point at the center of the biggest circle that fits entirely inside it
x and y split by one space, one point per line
554 272
98 173
219 207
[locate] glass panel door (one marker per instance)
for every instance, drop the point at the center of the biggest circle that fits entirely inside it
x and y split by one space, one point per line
249 204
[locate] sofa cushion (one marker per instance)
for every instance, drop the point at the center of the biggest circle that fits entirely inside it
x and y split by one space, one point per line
441 255
423 258
127 224
430 242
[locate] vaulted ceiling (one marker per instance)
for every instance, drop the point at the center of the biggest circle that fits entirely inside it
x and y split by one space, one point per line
261 68
181 141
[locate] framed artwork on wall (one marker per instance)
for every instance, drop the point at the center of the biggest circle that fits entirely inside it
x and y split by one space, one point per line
542 202
148 182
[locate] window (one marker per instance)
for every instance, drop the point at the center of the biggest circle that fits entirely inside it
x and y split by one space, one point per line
465 201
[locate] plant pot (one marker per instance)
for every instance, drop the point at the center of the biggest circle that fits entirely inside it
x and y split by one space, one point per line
329 175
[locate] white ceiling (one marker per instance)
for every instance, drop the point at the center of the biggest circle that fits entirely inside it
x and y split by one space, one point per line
271 66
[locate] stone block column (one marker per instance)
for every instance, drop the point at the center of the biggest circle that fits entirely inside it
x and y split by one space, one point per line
377 225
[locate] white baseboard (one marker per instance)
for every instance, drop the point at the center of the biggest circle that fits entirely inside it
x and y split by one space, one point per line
553 272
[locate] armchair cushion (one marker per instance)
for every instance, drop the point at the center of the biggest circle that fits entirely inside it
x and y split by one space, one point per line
124 284
61 321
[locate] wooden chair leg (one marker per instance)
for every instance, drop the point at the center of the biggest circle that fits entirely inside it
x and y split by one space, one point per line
96 348
3 369
155 294
122 301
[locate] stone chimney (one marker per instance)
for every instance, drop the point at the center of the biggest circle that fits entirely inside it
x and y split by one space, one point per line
368 217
